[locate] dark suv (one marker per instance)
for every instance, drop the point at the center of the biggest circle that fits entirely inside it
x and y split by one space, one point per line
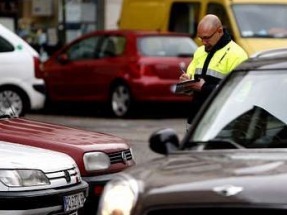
233 160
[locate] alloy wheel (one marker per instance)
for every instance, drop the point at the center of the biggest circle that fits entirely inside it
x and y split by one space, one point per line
120 100
11 99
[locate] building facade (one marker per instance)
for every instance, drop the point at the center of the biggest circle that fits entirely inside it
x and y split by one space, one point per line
55 22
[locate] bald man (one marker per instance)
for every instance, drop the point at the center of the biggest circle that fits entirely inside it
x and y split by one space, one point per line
212 61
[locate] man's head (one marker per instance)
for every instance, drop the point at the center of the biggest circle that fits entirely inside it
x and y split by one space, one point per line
210 31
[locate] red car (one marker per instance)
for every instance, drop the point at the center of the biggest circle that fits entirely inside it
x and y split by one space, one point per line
119 68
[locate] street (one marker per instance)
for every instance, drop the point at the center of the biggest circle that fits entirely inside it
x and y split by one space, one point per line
136 130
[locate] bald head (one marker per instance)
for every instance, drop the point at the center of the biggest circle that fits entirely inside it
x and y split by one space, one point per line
210 31
209 22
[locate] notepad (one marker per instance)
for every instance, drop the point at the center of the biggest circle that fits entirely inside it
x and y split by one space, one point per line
184 86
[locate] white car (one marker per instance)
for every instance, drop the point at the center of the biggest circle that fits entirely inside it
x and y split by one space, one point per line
39 181
21 83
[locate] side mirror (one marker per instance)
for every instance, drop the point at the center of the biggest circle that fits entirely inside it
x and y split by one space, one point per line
63 58
164 141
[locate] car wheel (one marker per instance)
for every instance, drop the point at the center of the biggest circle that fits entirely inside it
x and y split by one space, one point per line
120 100
10 97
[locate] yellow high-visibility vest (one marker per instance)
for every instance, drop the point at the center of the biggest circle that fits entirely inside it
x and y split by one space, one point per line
223 61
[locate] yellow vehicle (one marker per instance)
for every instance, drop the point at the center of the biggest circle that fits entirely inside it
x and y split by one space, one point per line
256 25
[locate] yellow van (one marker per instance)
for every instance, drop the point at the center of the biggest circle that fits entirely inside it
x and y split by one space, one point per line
256 25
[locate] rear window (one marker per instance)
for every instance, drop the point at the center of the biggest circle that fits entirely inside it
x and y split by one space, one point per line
5 46
166 46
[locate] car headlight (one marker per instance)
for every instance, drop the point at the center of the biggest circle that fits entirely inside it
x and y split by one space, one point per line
23 178
119 197
96 161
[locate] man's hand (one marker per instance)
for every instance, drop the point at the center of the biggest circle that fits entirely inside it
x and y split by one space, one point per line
196 86
184 77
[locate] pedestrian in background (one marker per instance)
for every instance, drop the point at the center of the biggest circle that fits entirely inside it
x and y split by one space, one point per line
212 61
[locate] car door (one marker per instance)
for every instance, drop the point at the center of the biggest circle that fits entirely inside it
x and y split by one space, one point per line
110 64
91 65
73 78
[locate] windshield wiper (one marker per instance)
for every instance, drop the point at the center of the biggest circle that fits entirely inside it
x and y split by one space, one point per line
222 144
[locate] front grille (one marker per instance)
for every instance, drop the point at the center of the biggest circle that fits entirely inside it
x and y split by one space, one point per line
69 176
121 157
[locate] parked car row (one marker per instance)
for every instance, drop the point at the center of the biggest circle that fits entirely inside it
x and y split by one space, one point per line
68 174
131 66
234 148
232 160
117 68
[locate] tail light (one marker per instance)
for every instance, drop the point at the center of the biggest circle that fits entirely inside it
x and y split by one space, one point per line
138 70
38 68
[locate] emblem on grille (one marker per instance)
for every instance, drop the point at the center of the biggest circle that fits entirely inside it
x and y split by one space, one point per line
228 190
67 176
124 157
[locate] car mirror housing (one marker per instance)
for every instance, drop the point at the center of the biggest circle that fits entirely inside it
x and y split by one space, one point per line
164 141
63 58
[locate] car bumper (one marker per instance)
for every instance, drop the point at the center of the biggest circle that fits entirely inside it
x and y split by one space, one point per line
37 96
39 202
155 90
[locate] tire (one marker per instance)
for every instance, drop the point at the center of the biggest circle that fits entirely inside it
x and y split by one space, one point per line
12 97
120 100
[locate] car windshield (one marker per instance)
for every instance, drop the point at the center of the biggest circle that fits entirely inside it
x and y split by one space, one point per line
250 110
256 20
167 46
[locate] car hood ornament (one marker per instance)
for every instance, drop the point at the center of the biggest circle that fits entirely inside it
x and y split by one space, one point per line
228 190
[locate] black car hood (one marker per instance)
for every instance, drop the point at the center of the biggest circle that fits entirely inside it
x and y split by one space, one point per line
214 177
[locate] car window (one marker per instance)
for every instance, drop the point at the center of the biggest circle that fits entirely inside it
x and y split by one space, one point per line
250 110
5 46
256 20
112 46
84 49
220 11
166 46
183 17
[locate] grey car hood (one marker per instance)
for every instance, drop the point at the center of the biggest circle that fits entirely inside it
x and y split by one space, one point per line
214 177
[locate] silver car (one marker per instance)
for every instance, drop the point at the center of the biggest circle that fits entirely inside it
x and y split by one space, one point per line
39 181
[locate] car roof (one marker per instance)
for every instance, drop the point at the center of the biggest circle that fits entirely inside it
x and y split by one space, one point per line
135 33
273 58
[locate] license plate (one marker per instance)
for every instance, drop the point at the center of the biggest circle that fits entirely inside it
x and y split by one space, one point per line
74 202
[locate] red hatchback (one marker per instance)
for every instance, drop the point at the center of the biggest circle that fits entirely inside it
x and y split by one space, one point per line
119 68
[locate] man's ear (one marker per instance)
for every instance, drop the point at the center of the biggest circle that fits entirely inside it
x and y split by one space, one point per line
220 30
